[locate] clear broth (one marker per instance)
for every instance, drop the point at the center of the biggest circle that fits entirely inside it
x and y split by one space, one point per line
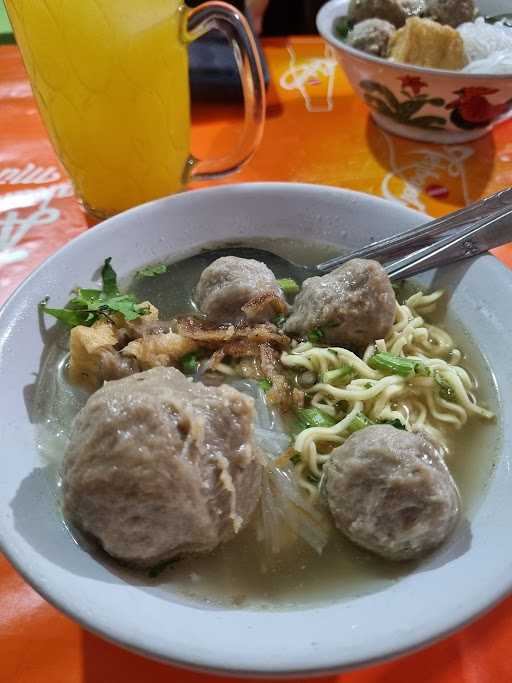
238 574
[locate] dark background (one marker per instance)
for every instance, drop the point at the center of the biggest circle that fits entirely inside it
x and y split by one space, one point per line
291 17
284 17
213 72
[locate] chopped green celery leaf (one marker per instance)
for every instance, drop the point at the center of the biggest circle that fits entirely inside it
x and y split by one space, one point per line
109 279
190 363
127 305
279 320
333 376
69 317
398 424
93 307
289 286
312 417
422 370
296 458
397 365
88 305
316 336
342 27
446 391
85 298
152 271
265 384
359 422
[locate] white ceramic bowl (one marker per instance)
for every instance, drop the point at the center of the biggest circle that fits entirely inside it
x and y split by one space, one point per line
447 590
423 104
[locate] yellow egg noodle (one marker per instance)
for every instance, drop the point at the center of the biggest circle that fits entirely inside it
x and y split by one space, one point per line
417 402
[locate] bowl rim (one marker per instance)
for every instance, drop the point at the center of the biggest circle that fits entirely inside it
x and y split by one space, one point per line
324 24
409 640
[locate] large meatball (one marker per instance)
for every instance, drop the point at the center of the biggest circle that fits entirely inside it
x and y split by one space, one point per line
390 491
451 12
231 289
353 306
372 36
395 12
158 466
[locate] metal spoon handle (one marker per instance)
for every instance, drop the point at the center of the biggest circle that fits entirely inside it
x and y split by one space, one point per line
490 232
411 240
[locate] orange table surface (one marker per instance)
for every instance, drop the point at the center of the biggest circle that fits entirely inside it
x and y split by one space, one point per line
317 131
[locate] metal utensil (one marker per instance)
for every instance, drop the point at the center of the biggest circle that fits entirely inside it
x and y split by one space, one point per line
404 243
490 232
489 217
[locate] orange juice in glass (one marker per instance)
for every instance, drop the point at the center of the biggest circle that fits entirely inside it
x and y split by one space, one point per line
111 81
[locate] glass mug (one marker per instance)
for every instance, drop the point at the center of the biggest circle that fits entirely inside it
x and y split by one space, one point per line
111 81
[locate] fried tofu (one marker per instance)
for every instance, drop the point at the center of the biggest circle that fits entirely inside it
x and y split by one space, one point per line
159 350
423 42
87 345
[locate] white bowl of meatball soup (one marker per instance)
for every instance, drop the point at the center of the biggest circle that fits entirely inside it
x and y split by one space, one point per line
223 467
431 70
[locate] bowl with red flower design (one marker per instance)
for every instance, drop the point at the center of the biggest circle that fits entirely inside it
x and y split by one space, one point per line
431 105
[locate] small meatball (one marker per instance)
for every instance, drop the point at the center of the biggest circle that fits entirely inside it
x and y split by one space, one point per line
353 306
390 491
372 36
451 12
393 11
158 467
230 284
423 42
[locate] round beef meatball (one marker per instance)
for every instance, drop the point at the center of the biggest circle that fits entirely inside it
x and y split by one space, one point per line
158 467
352 306
372 36
390 491
395 12
451 12
232 289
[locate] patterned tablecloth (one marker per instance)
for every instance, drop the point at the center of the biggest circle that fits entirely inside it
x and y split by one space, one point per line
317 132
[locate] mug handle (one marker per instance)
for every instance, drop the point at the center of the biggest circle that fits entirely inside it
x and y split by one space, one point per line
227 19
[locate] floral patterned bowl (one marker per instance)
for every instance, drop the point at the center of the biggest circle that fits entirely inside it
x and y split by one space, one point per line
430 105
